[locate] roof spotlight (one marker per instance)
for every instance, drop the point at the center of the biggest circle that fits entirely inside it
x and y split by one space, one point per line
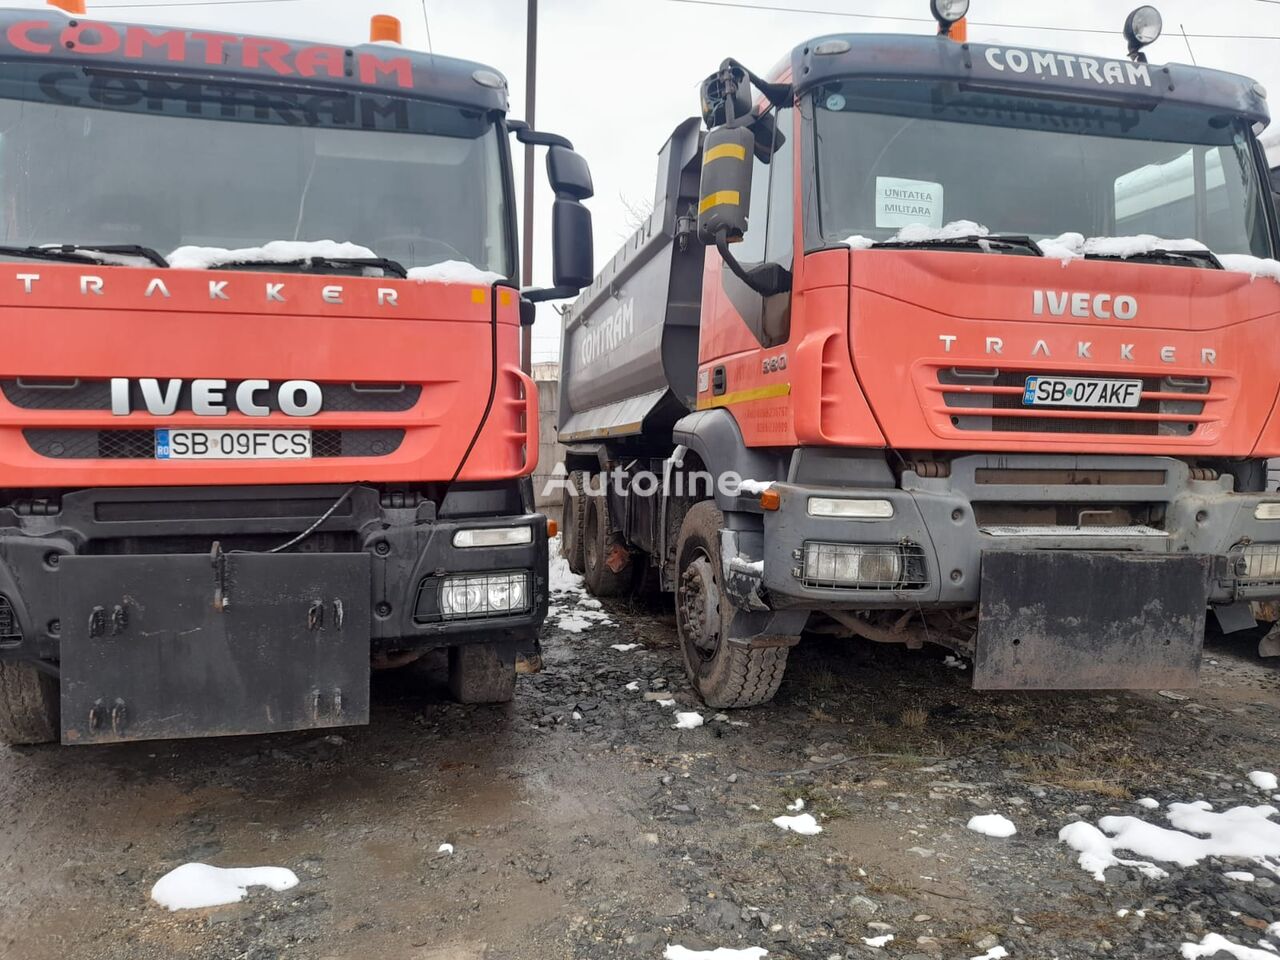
1142 29
948 13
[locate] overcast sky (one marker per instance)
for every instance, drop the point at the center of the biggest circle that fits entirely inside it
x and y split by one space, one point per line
616 76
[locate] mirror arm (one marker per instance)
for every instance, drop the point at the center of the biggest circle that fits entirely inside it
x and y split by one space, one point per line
778 94
543 294
526 134
782 285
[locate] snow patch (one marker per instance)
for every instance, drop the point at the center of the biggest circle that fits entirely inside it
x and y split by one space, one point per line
624 647
954 662
688 721
1150 803
571 610
992 825
859 242
277 251
195 885
877 942
804 824
1243 876
756 487
995 953
1074 246
1214 943
1253 266
1241 833
675 952
1263 780
446 848
666 703
632 687
956 229
454 271
796 805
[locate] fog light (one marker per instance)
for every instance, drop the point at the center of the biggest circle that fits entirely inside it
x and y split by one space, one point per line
1261 561
875 566
493 537
843 509
1267 511
484 595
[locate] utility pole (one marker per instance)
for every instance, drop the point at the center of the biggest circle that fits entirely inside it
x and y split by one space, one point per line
530 99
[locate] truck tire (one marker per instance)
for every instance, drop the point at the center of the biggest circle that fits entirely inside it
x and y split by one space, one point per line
597 541
725 675
29 707
482 673
574 514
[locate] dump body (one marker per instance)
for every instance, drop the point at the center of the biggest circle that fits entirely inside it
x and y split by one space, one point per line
239 474
1022 336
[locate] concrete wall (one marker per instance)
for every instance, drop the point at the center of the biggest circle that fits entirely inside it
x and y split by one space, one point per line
550 452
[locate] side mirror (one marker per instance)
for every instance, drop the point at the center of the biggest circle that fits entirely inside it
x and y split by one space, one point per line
569 174
572 254
728 155
725 95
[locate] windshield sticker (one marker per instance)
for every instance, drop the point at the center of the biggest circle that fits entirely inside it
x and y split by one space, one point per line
901 203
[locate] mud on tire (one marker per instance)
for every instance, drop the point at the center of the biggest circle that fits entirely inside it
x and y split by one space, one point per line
725 675
482 673
29 707
597 541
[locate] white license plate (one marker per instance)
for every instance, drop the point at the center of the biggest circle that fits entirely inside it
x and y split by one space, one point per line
1081 392
173 444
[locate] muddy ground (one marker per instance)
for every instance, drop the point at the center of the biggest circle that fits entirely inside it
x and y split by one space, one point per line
585 826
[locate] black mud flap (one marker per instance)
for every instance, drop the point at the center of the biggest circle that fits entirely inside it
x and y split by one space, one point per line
1053 620
196 646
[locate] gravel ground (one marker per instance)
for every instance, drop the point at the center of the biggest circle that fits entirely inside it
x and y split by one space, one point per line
585 826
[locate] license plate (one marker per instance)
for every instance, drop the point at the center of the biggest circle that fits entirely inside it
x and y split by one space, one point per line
233 444
1081 392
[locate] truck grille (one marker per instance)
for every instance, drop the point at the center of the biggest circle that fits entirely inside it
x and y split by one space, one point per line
990 400
75 394
141 444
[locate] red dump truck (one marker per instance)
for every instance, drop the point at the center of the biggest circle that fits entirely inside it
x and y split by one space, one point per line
987 332
262 416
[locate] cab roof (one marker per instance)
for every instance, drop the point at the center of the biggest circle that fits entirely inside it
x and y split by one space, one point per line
48 34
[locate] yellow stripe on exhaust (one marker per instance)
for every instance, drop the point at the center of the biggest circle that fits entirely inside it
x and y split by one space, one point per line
720 197
734 151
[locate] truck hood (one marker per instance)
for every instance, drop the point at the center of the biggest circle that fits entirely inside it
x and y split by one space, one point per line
405 368
943 343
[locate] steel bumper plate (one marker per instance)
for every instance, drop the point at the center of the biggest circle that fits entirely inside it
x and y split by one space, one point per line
193 645
1057 620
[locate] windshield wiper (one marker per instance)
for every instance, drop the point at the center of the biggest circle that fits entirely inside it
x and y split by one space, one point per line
1201 258
384 264
81 253
997 241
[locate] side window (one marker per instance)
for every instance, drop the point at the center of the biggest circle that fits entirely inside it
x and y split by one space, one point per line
751 249
778 245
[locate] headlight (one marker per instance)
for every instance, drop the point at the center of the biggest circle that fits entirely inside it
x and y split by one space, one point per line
844 509
1267 511
493 537
484 595
873 566
949 11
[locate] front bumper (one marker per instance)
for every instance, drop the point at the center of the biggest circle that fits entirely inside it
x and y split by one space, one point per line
406 540
934 522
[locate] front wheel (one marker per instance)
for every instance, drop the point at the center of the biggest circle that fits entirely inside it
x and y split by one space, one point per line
482 673
29 706
724 674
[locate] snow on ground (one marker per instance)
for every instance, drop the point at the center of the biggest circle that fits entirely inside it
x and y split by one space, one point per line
1150 803
796 805
632 687
1263 780
878 942
281 251
998 953
445 848
624 647
666 703
454 271
571 609
1243 876
803 823
689 721
955 663
1241 833
674 952
992 825
195 885
1215 943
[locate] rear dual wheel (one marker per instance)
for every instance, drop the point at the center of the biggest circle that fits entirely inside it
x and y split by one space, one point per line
724 674
574 514
598 545
29 705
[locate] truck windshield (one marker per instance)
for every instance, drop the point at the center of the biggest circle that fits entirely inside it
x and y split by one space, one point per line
112 159
892 154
